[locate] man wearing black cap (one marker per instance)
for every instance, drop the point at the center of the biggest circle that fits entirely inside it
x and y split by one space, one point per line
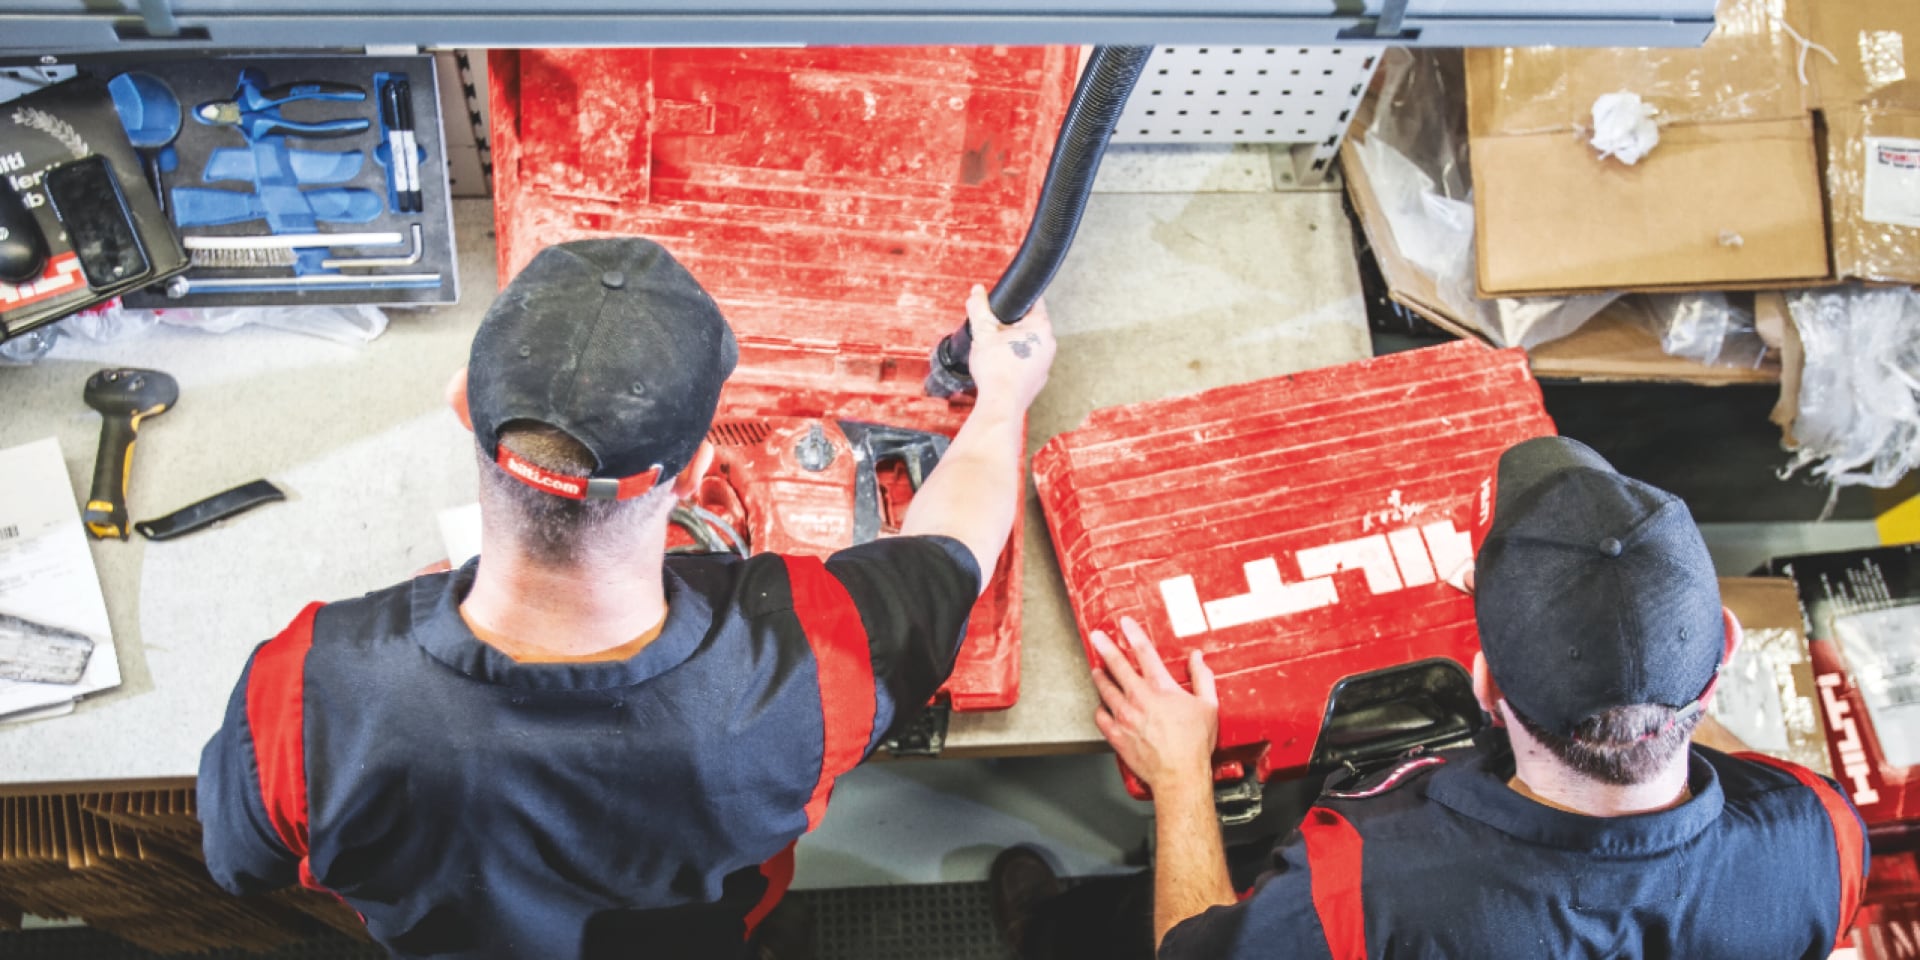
1579 825
574 746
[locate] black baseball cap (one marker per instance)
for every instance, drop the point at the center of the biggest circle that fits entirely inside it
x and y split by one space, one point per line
1593 590
613 342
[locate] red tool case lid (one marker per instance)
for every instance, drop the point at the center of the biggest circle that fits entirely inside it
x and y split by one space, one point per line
1297 530
837 203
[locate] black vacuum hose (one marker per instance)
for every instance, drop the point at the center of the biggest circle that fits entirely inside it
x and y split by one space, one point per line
1102 93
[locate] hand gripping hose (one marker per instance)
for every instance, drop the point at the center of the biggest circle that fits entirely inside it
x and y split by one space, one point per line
1102 93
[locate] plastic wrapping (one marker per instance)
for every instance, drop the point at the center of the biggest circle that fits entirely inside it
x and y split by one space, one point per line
1415 155
1745 71
1859 405
1761 698
358 323
111 323
1882 648
1716 329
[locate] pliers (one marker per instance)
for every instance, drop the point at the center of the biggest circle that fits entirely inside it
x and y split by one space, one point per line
256 111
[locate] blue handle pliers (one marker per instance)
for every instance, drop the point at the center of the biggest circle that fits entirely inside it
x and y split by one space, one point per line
255 109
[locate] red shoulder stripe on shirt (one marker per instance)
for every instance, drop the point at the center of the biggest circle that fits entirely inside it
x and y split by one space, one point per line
1846 834
1333 857
845 664
779 874
275 697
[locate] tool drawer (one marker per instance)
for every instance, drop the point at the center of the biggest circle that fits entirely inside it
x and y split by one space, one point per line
294 180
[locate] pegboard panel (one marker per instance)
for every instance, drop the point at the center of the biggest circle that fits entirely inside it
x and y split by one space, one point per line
1250 94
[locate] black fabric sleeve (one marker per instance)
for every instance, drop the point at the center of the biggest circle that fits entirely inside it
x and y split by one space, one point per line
1278 915
243 853
914 595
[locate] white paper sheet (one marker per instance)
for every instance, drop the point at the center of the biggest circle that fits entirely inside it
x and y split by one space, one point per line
47 574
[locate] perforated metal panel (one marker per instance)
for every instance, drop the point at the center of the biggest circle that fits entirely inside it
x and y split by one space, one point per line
1251 94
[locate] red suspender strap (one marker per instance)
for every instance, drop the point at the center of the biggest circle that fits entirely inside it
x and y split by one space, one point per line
275 693
1333 857
845 664
779 874
1846 835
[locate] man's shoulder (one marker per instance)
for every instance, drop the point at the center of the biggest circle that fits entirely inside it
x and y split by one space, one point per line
1755 780
371 617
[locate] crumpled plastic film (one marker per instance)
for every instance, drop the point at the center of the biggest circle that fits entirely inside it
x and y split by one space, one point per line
1716 329
1763 701
1415 155
1744 71
1859 415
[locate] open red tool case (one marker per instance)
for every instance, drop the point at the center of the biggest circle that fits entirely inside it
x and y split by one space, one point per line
838 203
1300 531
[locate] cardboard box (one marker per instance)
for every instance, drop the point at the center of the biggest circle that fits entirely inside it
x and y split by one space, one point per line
1729 199
1613 346
1869 98
1767 695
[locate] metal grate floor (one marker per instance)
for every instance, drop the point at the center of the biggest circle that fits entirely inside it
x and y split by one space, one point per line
946 921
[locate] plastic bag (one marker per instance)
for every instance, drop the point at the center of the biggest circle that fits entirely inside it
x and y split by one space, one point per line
1859 416
1716 329
342 324
1415 154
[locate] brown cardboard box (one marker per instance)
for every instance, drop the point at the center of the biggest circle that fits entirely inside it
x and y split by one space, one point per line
1869 97
1612 346
1729 199
1778 666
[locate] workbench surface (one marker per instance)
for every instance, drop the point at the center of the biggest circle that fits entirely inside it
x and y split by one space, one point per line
1164 293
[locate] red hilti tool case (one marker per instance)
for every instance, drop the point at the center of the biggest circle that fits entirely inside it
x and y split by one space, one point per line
1300 531
837 203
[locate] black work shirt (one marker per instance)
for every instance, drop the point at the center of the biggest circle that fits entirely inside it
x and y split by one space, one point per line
469 805
1439 857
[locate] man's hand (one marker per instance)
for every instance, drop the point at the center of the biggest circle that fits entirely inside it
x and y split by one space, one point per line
1164 734
1009 362
973 494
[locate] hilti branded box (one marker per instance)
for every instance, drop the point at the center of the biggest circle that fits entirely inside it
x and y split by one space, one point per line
1301 531
838 203
1862 613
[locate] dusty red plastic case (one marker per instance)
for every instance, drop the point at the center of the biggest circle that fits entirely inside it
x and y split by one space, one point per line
1298 530
837 202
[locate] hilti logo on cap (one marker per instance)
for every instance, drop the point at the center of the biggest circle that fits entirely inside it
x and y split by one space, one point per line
1853 752
1410 557
538 477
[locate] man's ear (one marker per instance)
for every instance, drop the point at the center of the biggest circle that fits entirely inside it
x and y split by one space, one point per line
689 479
1486 691
1734 633
457 398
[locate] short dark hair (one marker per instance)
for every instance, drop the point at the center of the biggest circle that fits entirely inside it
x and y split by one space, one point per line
557 531
1622 745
